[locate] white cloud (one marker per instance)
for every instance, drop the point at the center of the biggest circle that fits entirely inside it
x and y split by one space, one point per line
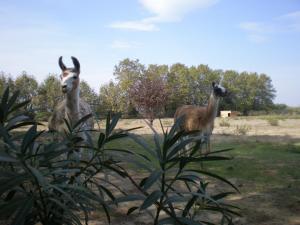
135 25
259 32
173 10
162 11
117 44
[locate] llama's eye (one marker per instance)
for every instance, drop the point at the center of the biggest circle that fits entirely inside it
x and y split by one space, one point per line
74 77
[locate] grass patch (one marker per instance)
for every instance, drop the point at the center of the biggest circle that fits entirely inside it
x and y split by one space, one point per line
265 164
273 121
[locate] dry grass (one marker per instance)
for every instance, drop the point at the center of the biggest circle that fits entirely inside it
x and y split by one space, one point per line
289 128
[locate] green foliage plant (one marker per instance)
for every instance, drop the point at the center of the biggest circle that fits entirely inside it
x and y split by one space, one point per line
41 182
174 186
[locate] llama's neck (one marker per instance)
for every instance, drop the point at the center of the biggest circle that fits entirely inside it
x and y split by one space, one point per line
212 107
72 105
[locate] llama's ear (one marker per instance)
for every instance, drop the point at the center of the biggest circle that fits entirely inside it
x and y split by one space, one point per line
76 63
61 64
213 84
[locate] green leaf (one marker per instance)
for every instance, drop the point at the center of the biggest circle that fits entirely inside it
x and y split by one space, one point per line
23 211
189 178
114 122
10 195
28 138
180 146
12 181
107 128
82 120
174 198
170 141
106 212
158 146
20 105
176 126
59 205
168 220
38 175
139 140
189 205
116 136
131 210
215 176
154 176
13 99
64 193
219 151
108 192
4 100
10 127
222 195
8 208
129 198
68 125
101 139
151 199
7 158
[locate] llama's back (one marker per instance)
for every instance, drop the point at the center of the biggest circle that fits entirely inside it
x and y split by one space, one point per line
194 117
85 109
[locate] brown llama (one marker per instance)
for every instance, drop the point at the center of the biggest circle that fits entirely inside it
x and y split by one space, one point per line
201 118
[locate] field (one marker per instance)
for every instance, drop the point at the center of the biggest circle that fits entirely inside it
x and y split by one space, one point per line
266 157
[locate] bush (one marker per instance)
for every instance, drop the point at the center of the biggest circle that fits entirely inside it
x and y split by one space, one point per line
273 121
224 123
47 182
42 116
242 129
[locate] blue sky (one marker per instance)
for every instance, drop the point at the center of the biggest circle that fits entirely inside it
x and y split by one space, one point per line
251 35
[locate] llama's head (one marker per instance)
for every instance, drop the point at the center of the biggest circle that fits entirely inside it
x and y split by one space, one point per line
70 76
219 91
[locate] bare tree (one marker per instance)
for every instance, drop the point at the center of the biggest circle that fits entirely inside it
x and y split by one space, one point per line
148 95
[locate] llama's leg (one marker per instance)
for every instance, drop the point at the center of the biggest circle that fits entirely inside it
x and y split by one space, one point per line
183 152
84 153
203 141
208 147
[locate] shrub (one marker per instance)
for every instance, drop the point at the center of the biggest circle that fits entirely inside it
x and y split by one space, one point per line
242 129
47 182
174 185
273 121
224 123
44 182
42 116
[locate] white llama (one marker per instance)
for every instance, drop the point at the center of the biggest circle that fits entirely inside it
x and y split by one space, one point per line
72 108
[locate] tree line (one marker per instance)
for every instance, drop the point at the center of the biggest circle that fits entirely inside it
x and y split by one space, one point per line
137 87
